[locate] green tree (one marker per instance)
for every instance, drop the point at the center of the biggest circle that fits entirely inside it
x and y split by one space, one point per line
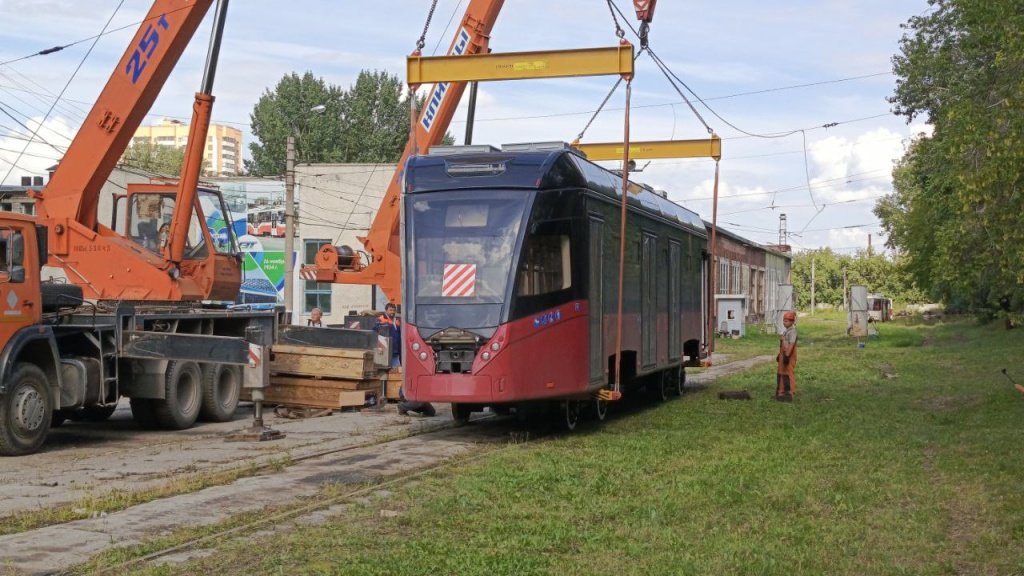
878 272
369 122
955 210
156 158
286 110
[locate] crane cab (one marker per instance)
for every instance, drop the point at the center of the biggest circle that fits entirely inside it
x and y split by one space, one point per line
212 255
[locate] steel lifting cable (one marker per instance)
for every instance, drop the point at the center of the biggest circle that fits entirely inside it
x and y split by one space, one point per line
618 29
672 78
426 26
664 70
622 241
412 89
593 117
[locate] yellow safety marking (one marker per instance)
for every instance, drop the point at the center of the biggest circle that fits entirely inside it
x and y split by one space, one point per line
656 149
521 65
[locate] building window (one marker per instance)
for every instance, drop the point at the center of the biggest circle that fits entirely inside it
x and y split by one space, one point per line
315 294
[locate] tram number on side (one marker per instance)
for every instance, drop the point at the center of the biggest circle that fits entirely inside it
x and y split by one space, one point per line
547 319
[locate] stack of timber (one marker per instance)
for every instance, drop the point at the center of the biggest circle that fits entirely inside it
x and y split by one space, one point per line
324 368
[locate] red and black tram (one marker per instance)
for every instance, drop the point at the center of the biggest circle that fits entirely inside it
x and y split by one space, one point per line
511 282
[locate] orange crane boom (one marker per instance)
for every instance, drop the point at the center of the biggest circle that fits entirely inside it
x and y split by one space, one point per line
383 266
107 264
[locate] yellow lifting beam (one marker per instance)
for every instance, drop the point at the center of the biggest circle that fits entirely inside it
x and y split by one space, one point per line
655 149
521 65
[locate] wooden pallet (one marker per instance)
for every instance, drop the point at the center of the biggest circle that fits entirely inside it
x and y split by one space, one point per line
322 362
318 396
291 390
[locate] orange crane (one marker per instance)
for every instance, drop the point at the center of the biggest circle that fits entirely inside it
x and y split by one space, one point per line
61 357
381 262
184 262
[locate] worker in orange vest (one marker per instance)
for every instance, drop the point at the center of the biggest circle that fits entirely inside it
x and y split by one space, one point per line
394 327
785 385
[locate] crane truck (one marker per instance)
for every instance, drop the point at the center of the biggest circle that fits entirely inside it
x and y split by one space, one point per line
134 318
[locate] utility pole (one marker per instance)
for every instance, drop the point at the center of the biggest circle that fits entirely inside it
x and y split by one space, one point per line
846 306
812 286
289 225
869 245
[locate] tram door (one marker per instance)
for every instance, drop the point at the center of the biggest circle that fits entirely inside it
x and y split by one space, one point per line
648 299
595 288
675 297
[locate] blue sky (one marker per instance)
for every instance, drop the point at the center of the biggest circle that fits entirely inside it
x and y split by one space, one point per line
742 57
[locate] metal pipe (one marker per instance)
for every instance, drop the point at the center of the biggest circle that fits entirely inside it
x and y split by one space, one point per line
622 242
714 268
289 228
197 133
471 113
213 54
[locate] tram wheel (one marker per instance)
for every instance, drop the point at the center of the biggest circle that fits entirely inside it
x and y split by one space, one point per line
681 380
569 414
659 386
597 409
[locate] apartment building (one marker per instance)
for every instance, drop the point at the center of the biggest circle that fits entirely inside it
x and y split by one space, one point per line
223 153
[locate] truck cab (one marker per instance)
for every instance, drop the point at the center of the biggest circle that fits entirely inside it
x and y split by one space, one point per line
29 385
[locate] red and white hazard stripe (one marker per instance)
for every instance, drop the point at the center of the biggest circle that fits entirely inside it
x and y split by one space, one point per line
459 280
307 273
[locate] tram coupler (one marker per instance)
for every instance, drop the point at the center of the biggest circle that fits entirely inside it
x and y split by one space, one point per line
609 395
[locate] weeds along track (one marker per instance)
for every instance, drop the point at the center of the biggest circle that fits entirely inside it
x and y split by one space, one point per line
488 435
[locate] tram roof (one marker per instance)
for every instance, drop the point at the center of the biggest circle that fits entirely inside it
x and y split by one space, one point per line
536 170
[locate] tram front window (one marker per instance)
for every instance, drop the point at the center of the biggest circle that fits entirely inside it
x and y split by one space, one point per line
461 250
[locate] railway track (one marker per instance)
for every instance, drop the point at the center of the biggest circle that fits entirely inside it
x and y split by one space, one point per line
293 492
293 514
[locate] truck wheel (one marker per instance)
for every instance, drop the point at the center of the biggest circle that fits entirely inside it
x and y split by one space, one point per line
54 296
25 411
183 395
222 383
143 413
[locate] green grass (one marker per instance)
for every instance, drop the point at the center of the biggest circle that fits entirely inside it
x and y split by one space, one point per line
902 457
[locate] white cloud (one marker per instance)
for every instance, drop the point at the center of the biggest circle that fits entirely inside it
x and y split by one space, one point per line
851 168
850 239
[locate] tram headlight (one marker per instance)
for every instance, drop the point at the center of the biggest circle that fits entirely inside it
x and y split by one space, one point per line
486 355
423 356
415 346
495 346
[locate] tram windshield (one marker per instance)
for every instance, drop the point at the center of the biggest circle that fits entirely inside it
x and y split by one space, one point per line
461 247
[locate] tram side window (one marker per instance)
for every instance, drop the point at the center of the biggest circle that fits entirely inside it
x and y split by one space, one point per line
546 265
